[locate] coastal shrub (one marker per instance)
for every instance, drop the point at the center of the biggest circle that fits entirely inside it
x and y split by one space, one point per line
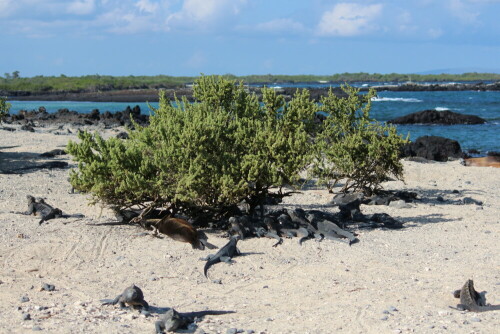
201 158
204 158
4 107
353 147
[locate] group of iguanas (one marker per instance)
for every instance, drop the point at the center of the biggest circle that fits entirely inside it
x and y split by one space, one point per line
279 224
470 300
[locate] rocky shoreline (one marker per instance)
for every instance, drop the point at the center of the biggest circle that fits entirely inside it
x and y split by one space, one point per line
151 95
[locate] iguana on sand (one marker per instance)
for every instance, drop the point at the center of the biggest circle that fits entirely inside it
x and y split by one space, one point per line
224 254
471 300
42 209
173 320
132 296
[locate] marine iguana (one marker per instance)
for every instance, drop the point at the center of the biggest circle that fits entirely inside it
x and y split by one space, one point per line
173 320
471 300
45 210
181 230
245 228
42 209
132 296
224 254
330 230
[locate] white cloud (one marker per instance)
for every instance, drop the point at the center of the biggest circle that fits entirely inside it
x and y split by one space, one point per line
147 6
463 12
82 7
6 7
204 12
434 32
349 19
280 25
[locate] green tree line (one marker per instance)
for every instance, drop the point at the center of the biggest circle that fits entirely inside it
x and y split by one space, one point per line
92 83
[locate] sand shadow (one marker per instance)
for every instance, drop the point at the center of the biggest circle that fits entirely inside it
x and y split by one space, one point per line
427 219
27 162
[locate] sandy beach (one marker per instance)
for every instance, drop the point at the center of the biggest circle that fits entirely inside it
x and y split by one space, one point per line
391 281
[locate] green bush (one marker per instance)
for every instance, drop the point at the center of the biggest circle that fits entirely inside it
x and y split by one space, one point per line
4 107
204 158
353 147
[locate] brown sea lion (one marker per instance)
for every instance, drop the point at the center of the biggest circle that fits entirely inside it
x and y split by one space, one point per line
181 230
489 161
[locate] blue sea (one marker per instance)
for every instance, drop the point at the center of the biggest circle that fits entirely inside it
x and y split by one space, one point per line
386 106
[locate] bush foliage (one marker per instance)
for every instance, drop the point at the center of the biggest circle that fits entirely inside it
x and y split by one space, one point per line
204 158
353 146
4 107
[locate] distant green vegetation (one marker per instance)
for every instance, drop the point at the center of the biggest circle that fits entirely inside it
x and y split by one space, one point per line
93 83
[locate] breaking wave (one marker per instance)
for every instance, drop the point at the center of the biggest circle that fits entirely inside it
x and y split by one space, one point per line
394 99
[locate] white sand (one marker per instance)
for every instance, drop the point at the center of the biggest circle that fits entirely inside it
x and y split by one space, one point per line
321 287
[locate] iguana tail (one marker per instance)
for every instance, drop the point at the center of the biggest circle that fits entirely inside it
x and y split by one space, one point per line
209 263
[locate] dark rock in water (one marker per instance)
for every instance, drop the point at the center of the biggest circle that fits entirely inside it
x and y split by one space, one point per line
94 114
433 148
437 117
493 154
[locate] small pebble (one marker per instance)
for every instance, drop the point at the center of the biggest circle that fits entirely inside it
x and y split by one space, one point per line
475 319
384 318
269 319
440 199
385 312
232 331
250 331
26 316
37 328
393 309
48 287
24 299
217 281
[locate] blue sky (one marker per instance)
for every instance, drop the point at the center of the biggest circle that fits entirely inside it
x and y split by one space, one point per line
241 37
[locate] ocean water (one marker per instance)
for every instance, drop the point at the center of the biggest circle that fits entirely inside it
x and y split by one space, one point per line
386 106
